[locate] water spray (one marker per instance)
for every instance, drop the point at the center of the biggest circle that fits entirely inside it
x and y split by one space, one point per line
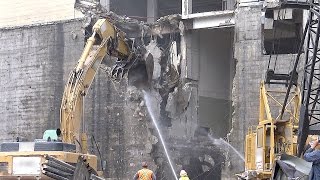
220 141
148 104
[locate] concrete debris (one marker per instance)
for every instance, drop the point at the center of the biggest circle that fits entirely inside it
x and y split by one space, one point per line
209 159
205 168
87 6
126 24
271 4
142 103
166 24
133 27
178 101
141 114
170 20
148 147
94 11
175 58
154 140
134 94
153 48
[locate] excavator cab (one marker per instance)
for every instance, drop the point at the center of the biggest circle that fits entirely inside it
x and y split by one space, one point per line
50 135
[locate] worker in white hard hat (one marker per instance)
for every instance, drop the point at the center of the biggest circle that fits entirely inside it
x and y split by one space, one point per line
183 175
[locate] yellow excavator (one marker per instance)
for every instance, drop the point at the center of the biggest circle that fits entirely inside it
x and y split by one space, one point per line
288 118
63 153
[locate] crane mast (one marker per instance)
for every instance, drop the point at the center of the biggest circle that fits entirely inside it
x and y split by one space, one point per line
309 118
310 105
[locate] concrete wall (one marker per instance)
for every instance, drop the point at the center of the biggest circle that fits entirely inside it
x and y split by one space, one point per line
34 62
249 72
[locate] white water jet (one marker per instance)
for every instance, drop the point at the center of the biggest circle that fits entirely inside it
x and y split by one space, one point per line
222 141
148 104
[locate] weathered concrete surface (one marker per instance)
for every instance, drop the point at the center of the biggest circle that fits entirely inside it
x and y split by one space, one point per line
34 62
249 72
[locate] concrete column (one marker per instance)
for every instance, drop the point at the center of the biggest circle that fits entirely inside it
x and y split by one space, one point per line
250 68
152 10
186 8
189 66
105 4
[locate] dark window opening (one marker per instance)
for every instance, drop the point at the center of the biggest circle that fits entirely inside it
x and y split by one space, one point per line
200 6
285 34
135 9
168 7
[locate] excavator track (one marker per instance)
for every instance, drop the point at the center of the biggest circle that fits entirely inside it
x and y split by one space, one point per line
59 170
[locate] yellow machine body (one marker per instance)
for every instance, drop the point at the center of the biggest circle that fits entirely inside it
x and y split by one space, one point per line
272 136
10 165
112 43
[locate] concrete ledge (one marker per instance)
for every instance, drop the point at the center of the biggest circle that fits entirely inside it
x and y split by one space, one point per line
214 19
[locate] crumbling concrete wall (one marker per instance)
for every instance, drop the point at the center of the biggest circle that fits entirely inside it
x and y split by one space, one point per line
35 63
178 123
249 73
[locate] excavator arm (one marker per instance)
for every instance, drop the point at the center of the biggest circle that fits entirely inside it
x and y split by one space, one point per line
106 39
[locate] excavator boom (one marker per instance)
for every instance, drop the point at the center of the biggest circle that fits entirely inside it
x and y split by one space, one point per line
105 40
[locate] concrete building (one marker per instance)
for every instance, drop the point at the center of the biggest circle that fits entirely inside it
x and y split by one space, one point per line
208 65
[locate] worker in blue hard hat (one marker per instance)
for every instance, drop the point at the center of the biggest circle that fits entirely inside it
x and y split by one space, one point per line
313 155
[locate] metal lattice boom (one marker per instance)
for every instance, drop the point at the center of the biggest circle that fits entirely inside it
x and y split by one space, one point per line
310 106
